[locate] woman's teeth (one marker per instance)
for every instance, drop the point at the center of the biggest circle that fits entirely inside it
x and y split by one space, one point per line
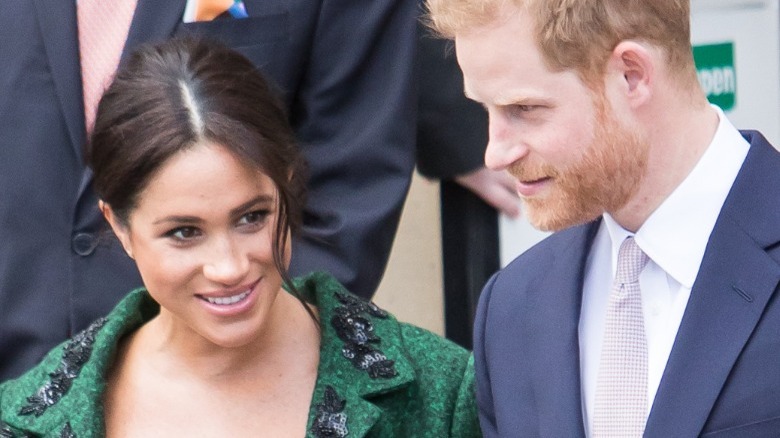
226 301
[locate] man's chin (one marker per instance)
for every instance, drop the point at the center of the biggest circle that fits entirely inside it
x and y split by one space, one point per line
546 218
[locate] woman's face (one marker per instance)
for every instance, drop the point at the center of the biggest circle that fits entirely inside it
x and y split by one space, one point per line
202 236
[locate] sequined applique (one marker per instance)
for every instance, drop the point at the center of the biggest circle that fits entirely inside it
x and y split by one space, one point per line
67 432
330 421
7 432
75 354
356 330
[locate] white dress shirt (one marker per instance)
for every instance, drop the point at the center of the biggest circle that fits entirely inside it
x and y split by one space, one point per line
674 238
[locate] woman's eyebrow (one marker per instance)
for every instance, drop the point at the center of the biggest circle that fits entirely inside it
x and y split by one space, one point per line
241 209
257 200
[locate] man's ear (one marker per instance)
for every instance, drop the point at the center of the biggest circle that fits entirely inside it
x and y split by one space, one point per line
632 63
120 229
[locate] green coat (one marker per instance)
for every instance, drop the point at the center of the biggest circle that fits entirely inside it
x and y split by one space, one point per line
377 377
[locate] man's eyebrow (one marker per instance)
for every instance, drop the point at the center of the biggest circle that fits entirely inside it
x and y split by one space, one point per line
508 99
523 98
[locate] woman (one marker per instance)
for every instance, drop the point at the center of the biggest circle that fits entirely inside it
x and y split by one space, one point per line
201 182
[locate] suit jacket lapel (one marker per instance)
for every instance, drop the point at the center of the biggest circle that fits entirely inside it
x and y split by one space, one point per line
60 38
557 313
736 280
154 20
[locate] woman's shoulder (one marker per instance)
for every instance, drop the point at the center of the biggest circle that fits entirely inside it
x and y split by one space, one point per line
65 388
342 307
356 320
37 401
417 378
430 349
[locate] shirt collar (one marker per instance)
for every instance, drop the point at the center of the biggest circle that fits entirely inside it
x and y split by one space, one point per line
676 233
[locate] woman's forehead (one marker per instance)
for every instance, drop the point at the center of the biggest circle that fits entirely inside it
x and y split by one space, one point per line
205 177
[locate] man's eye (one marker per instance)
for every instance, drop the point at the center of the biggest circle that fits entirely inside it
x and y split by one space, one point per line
183 233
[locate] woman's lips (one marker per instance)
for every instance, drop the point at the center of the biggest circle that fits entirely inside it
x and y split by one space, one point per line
226 301
230 303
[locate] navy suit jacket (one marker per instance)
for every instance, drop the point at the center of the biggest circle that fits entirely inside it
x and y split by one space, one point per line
345 70
723 374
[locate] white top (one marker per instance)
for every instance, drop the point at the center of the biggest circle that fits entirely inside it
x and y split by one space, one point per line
674 237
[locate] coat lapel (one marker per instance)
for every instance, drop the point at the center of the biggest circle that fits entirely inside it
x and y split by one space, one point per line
557 314
60 38
342 322
736 280
62 396
355 389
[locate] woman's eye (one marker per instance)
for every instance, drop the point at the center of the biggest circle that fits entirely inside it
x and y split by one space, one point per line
183 233
253 218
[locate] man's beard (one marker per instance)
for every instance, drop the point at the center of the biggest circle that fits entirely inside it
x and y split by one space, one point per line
602 180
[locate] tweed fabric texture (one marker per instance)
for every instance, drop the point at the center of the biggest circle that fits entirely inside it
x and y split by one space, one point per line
429 394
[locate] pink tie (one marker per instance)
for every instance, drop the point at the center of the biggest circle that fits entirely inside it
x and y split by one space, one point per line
621 388
103 27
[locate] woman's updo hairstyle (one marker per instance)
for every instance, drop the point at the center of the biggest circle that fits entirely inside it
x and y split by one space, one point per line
171 96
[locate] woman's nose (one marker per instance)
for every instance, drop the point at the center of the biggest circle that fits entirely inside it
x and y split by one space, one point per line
227 263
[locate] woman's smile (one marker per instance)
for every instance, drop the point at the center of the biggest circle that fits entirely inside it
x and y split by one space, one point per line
204 246
230 302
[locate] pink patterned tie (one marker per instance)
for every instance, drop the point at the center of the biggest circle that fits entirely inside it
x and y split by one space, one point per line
103 27
621 388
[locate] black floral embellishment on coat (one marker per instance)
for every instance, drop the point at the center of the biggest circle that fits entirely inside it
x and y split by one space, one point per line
75 354
67 432
359 305
367 358
353 326
329 420
7 432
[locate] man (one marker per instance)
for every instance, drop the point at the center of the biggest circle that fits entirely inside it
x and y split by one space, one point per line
345 70
596 111
451 140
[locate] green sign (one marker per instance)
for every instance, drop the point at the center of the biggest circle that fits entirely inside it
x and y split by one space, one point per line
717 75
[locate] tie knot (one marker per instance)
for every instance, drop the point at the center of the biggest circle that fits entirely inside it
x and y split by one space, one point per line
631 260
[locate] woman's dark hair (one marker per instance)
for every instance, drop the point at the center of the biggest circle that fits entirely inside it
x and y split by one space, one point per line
172 96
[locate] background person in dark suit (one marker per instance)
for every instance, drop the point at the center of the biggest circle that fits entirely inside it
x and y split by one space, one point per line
596 110
451 141
345 69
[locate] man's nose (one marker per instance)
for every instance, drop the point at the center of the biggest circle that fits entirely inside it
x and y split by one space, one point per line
505 145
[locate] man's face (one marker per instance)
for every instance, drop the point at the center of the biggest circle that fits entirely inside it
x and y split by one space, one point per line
571 156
